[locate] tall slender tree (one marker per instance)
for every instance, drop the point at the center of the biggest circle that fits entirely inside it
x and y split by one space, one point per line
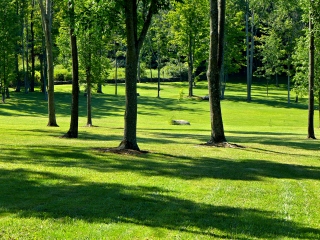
311 133
46 18
217 22
74 122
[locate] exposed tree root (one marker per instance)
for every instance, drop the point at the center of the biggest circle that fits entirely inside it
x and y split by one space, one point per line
121 151
222 144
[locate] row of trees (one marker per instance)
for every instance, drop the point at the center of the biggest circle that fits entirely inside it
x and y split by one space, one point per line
262 37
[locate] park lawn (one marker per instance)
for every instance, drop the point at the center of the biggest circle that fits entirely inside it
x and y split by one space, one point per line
56 188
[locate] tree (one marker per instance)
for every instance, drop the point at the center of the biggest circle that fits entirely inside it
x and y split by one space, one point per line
73 130
217 22
135 38
311 73
8 38
46 18
190 28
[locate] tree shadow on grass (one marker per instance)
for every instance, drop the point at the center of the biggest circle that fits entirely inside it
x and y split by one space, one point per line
24 194
276 139
160 164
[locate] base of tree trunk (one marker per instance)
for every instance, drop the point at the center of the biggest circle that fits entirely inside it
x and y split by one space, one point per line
311 137
222 144
121 151
89 125
70 134
52 125
125 144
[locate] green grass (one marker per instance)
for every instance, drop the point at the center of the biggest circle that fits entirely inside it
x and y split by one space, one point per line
56 188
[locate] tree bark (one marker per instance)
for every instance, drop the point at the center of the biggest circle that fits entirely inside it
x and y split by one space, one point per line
217 20
89 112
190 66
248 54
74 122
134 45
311 134
130 119
33 57
46 17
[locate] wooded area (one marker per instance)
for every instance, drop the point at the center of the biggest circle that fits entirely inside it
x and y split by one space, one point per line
52 40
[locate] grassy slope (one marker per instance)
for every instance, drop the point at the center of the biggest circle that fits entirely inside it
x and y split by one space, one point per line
53 188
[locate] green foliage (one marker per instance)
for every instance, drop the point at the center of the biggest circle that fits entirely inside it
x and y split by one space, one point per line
62 74
181 94
176 71
301 65
272 53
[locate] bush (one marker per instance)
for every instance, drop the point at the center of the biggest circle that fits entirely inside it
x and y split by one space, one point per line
61 74
174 71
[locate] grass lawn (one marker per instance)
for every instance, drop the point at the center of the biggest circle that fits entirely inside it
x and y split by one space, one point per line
56 188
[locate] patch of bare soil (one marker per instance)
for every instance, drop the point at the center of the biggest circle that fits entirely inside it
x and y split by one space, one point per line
121 151
222 144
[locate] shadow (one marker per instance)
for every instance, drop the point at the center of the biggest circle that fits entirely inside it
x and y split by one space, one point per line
63 197
33 104
277 96
276 139
159 164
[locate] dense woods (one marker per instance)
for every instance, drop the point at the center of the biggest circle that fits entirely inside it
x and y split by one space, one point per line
88 41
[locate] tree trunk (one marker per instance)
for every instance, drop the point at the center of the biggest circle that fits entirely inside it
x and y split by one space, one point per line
319 106
251 53
248 55
288 88
26 74
88 76
159 65
130 119
134 44
190 67
33 57
18 87
46 17
217 20
44 70
74 122
311 134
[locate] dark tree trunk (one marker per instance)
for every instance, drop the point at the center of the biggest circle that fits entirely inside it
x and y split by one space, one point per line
319 106
26 74
190 67
99 88
311 79
18 77
217 19
116 78
159 67
134 45
89 112
33 57
248 54
74 122
7 92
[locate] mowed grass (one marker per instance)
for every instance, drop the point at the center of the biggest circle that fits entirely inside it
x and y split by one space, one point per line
57 188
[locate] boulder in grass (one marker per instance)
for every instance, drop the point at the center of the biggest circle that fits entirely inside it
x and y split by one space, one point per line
180 122
205 98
